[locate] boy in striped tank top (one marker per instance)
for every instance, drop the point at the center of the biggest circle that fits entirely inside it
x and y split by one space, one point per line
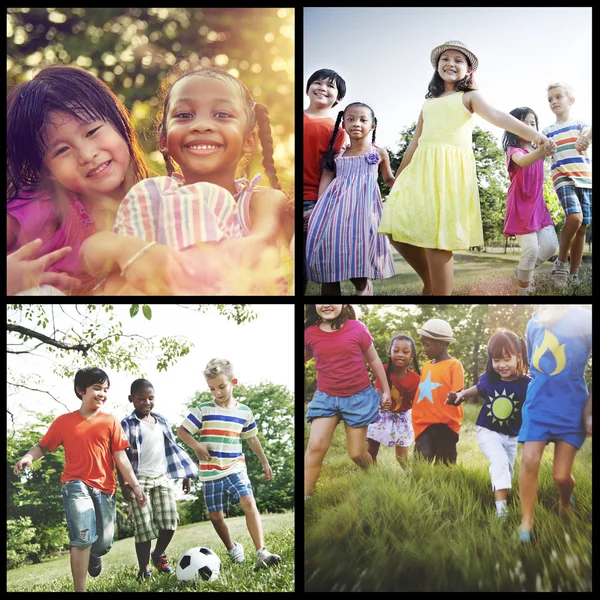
222 425
572 179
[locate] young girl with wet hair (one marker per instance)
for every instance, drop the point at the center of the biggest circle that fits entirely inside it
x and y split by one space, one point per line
394 426
527 216
342 240
72 155
503 387
340 345
208 126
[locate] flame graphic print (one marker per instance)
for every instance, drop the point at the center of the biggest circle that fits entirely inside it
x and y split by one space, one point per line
550 342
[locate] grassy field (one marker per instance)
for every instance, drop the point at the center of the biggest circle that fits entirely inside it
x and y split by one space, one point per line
434 528
475 274
120 565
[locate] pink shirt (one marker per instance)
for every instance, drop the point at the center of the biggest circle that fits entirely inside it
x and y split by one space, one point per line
526 211
37 216
339 360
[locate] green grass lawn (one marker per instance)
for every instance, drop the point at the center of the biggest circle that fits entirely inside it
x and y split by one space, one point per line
475 274
120 564
434 528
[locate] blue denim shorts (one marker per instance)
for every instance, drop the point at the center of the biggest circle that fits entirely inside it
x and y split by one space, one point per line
574 200
236 485
358 410
90 516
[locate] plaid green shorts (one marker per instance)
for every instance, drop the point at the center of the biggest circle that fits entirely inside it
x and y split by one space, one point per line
160 511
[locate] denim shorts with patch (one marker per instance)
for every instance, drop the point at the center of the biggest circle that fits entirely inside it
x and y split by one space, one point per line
90 516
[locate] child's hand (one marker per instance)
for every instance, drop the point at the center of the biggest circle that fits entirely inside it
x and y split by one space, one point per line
582 144
139 494
24 463
202 452
549 148
127 492
455 398
187 485
540 140
386 402
268 472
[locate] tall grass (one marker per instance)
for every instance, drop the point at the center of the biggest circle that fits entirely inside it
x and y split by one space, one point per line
434 527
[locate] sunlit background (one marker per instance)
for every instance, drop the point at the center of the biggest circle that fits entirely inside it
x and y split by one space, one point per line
132 50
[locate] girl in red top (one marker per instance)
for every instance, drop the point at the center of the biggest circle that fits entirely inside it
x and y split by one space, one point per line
340 345
394 426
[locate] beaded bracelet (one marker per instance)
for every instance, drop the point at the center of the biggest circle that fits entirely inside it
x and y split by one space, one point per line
136 256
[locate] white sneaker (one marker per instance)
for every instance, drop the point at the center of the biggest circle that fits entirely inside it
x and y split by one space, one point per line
367 291
559 274
236 553
265 559
573 280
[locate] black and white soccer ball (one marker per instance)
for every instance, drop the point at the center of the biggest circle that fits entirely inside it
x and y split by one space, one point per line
200 563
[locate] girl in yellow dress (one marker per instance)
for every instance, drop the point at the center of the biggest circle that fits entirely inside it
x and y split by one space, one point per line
433 206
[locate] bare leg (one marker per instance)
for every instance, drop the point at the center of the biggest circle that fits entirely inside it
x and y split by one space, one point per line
321 432
142 550
500 494
577 247
253 522
572 224
164 538
528 481
564 456
221 528
80 557
331 289
402 455
417 259
360 283
357 449
441 271
373 449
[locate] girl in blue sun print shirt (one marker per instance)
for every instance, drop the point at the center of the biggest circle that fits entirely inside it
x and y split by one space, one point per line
503 387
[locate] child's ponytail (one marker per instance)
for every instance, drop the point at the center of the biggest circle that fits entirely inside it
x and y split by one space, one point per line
266 142
328 160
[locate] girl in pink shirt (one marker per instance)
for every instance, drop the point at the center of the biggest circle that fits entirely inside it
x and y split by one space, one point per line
527 216
340 345
72 155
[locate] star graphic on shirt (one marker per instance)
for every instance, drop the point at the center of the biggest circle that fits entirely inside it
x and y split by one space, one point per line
426 387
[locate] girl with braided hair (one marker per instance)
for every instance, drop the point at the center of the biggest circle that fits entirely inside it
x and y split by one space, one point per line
229 235
342 240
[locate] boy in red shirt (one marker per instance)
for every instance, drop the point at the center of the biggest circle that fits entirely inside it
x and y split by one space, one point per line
435 423
325 88
93 442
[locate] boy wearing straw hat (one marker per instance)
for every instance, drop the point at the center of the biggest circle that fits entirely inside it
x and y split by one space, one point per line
436 424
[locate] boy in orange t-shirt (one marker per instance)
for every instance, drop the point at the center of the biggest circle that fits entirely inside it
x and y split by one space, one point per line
325 88
93 442
435 423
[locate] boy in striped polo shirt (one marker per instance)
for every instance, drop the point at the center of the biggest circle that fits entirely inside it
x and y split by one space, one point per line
572 179
222 425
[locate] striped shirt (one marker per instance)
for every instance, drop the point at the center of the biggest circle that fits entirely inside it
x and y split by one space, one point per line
165 210
222 430
568 166
179 464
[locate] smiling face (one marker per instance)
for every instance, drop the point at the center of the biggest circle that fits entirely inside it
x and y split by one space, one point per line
453 66
432 348
401 353
143 401
90 158
329 312
322 93
506 366
358 121
93 397
206 131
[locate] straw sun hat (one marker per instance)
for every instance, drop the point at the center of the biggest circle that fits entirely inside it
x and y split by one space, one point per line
453 45
438 330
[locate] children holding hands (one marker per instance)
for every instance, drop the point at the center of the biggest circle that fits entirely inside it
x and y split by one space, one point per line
503 387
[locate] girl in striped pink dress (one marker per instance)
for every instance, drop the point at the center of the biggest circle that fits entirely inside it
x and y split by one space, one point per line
342 240
222 235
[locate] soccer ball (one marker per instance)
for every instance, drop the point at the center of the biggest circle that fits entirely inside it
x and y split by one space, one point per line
198 562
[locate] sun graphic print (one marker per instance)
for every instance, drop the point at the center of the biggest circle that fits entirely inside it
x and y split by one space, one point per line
502 407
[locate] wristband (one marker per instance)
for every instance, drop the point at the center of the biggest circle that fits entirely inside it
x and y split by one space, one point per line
136 256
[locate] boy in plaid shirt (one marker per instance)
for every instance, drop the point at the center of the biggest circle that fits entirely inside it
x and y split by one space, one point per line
155 457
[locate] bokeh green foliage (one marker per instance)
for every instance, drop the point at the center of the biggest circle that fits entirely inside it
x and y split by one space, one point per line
133 49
